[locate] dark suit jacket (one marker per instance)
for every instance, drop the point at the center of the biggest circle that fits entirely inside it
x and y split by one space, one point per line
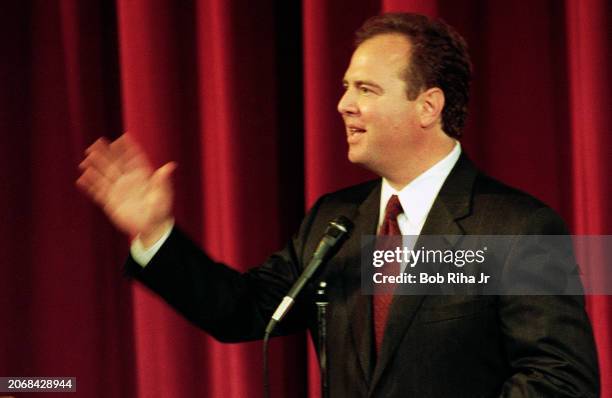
435 346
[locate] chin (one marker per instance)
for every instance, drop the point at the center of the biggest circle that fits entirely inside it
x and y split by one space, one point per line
354 157
359 159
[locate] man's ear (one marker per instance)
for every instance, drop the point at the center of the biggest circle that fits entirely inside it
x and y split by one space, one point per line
431 103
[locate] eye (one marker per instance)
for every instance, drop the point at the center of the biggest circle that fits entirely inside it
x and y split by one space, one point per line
364 90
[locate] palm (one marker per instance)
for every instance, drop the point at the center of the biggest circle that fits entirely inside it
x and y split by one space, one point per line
134 203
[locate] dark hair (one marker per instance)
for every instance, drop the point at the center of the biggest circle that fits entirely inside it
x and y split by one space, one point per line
439 59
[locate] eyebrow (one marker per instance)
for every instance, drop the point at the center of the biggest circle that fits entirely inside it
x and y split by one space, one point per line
363 83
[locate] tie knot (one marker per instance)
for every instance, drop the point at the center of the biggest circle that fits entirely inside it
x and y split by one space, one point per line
394 208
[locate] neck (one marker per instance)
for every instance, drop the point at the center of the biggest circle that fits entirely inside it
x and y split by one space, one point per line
416 165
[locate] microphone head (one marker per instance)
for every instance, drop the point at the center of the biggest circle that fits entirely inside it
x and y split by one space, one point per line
339 226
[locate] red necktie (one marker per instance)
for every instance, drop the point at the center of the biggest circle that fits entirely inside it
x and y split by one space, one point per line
382 302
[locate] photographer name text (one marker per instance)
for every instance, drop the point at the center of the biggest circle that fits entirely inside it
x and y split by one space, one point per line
427 278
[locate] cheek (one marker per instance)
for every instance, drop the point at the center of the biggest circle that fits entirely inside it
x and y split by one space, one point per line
404 119
398 124
389 122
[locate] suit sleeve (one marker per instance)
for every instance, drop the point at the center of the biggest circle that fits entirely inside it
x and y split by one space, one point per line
229 305
548 338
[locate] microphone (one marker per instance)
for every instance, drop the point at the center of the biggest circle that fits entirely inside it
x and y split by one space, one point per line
336 231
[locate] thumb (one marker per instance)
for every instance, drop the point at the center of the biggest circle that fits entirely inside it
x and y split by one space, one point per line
162 175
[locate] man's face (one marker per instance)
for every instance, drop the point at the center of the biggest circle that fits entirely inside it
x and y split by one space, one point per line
381 123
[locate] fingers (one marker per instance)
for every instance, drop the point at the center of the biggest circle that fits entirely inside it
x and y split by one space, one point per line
166 170
95 185
129 154
100 171
103 163
100 144
162 175
114 159
99 156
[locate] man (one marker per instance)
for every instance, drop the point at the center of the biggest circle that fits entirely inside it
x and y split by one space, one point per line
405 101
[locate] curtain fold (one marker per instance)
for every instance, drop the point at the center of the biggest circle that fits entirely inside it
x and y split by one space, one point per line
243 96
588 36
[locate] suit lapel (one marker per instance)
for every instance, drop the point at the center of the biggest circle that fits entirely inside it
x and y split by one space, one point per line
453 202
451 205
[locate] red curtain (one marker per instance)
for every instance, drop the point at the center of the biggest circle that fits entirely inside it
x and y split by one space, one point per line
243 95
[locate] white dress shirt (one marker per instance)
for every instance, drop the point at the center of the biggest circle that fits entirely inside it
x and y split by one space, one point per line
419 195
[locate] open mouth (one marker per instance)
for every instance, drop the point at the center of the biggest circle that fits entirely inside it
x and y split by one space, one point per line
354 134
355 130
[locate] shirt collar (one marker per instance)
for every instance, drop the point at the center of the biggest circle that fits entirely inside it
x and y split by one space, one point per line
418 196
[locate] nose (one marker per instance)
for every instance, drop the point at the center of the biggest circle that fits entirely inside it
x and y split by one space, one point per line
347 105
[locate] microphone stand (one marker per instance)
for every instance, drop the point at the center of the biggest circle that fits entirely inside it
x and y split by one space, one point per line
322 303
336 232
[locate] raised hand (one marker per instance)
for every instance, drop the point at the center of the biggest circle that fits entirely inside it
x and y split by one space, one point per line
120 179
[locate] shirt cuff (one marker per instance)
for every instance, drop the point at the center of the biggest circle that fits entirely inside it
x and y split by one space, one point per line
143 255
